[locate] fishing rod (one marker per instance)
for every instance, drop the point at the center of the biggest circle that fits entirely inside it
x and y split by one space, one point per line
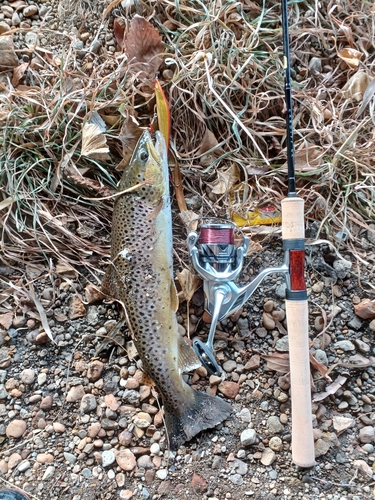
218 261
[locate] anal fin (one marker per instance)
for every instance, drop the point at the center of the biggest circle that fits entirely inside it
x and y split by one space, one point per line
187 359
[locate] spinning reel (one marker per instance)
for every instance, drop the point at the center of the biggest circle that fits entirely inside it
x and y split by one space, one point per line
218 261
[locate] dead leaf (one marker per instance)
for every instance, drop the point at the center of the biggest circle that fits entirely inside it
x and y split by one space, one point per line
34 270
178 186
93 293
226 179
8 57
143 46
209 142
350 56
66 270
330 389
367 96
18 73
119 31
356 85
278 362
6 320
41 312
129 136
323 370
72 173
307 158
189 283
94 142
189 219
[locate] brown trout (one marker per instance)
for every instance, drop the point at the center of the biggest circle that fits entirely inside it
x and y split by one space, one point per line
141 276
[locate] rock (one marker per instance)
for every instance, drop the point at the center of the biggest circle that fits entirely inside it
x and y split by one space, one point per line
161 474
95 371
321 357
125 438
365 309
318 287
125 459
269 306
75 393
236 479
145 462
8 60
46 403
342 267
355 323
261 332
345 345
23 465
92 317
4 27
14 459
58 427
268 457
111 402
88 403
282 345
229 389
245 415
69 457
108 458
229 366
274 425
268 321
199 484
341 424
49 473
280 290
215 380
3 467
28 376
155 449
42 378
248 437
321 447
93 430
275 443
362 346
125 494
319 323
30 10
367 434
253 363
16 429
45 458
76 308
363 468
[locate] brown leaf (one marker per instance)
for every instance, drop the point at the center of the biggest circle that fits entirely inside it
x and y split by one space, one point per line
119 31
129 135
323 370
94 142
66 270
18 73
143 46
350 56
93 293
189 283
330 389
209 142
226 179
72 173
189 219
6 320
356 85
278 362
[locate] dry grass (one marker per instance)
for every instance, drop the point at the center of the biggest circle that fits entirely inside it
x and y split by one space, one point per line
222 73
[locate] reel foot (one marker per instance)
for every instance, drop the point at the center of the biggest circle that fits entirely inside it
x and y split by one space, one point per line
207 357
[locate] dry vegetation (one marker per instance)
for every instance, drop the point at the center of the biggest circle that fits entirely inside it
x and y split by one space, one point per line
222 74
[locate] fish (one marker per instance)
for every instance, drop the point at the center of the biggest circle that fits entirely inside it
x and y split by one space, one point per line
140 275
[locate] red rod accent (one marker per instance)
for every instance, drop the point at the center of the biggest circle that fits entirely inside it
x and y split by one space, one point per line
297 270
217 236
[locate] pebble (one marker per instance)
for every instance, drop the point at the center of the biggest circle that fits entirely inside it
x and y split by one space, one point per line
318 287
274 425
145 462
30 10
88 403
342 267
365 309
75 393
282 344
363 468
253 363
126 494
49 473
46 403
125 459
268 457
245 415
229 389
367 434
4 27
108 458
45 458
161 474
16 429
268 321
155 449
58 427
69 457
248 437
236 479
24 465
229 366
28 376
321 447
341 424
345 345
275 443
14 459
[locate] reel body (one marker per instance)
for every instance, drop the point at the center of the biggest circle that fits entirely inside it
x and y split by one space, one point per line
218 261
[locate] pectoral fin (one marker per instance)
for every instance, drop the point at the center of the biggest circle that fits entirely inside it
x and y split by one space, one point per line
187 359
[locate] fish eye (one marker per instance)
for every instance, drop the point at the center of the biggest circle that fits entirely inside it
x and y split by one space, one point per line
143 156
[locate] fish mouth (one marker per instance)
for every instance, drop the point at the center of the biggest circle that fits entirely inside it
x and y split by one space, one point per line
155 148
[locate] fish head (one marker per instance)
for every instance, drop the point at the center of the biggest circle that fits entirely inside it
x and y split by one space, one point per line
147 172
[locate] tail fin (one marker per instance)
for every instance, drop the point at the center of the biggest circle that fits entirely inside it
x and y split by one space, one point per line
207 412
